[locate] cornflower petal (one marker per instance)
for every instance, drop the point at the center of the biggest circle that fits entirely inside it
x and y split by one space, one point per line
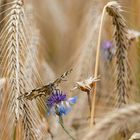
63 110
107 45
72 100
58 104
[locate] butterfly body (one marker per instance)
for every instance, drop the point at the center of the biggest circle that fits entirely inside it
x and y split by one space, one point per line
45 90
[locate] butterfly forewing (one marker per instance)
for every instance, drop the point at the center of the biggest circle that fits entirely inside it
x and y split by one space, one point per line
44 90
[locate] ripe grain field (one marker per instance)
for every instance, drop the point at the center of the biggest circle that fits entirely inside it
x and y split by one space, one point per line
69 70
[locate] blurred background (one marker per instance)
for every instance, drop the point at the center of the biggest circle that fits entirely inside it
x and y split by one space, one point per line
65 25
69 31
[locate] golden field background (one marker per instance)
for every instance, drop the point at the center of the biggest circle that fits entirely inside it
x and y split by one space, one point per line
65 36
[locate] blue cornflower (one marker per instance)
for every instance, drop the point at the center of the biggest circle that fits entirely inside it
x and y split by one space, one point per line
59 104
107 45
108 50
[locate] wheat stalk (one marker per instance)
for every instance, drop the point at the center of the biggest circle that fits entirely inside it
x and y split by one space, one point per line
10 61
92 114
10 56
15 39
112 123
121 43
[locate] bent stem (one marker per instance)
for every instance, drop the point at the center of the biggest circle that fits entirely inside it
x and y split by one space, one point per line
92 115
66 131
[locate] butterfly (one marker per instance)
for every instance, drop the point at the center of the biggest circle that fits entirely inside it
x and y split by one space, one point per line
46 89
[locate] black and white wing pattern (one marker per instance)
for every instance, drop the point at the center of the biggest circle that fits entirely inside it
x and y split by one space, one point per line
46 89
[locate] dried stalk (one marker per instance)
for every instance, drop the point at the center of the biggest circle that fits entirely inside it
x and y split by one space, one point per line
121 42
16 114
112 123
10 48
92 115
